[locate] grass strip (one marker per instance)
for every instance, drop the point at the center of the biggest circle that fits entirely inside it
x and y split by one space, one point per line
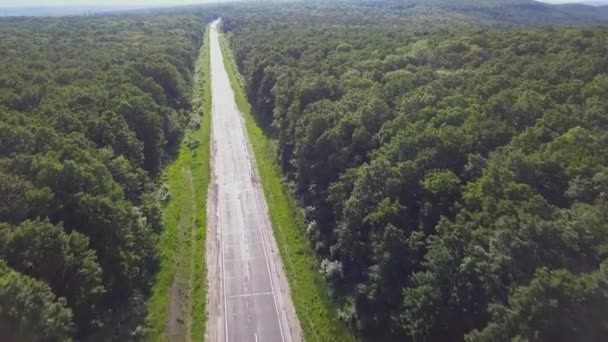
309 291
201 163
182 244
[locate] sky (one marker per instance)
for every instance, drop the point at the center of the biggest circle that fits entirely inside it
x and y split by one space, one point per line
571 1
100 3
115 3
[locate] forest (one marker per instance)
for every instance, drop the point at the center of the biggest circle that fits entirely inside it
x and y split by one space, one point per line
449 159
451 165
91 109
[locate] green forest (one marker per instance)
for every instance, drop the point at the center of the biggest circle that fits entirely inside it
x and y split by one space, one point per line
91 109
453 168
442 167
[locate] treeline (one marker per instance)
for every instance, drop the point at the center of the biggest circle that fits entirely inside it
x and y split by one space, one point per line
455 181
90 110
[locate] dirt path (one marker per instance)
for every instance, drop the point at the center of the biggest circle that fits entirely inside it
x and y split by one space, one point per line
179 318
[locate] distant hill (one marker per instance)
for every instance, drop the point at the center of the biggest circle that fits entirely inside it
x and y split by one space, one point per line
509 12
491 12
587 2
55 11
58 11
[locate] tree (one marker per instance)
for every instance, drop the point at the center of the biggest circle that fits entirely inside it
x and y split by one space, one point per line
63 261
555 306
30 311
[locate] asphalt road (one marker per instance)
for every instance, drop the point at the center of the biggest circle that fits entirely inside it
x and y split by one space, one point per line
254 303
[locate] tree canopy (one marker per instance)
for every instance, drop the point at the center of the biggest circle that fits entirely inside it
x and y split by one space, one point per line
91 108
454 176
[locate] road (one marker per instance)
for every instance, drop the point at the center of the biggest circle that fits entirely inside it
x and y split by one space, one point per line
249 298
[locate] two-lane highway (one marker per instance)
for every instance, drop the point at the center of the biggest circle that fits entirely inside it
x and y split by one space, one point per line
250 301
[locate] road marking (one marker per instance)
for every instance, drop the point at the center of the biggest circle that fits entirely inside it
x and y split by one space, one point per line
219 220
246 243
245 230
244 259
251 295
274 299
248 232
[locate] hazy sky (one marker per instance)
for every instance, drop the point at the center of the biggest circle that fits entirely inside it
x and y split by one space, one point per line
570 1
42 3
20 3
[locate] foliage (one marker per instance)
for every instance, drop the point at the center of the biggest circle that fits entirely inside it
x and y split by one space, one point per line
309 292
182 243
454 176
91 108
29 311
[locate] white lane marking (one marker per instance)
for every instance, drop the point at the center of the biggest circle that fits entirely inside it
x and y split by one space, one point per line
246 243
223 276
256 336
237 235
251 295
274 299
244 259
245 230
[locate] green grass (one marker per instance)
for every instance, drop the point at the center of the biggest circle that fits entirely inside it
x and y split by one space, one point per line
182 250
315 310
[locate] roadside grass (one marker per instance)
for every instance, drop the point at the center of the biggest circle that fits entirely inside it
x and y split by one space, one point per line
316 312
201 163
182 244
